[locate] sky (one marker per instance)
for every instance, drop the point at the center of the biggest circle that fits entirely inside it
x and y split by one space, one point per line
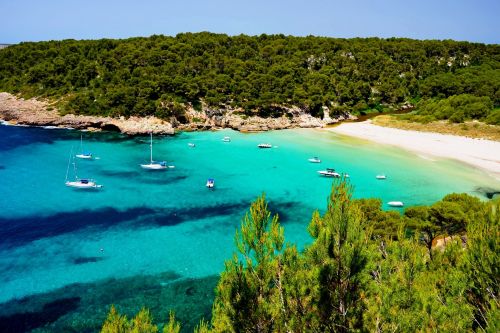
35 20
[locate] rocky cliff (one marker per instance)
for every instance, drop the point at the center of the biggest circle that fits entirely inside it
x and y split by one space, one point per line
39 113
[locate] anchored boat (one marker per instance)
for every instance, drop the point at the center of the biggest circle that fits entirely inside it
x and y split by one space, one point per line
329 172
83 183
155 165
314 160
84 154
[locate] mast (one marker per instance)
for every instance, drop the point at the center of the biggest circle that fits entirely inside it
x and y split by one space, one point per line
151 148
69 161
74 168
81 142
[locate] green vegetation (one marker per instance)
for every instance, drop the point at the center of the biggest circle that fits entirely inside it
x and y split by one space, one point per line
141 323
472 129
434 268
456 109
262 74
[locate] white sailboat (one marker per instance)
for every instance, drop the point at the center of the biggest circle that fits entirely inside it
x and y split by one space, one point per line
155 165
80 183
83 154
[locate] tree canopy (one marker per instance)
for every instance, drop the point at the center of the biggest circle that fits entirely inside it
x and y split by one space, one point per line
354 277
161 75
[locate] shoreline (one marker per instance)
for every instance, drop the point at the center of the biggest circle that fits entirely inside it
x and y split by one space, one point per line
32 112
479 153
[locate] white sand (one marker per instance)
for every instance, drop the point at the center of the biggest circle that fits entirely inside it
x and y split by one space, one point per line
480 153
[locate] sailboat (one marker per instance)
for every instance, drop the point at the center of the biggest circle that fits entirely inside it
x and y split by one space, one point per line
84 154
79 183
155 165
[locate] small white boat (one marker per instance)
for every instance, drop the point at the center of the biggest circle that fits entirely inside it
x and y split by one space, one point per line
346 175
314 160
85 155
210 183
83 184
265 145
329 173
192 145
226 139
396 203
381 177
155 165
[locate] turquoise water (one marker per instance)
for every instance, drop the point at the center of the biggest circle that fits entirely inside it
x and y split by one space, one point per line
146 223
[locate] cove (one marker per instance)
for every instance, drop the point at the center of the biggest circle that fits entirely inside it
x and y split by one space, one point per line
144 223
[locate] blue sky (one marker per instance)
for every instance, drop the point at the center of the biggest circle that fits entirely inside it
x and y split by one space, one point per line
34 20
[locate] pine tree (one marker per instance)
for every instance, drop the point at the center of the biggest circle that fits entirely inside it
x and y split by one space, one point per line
173 326
247 287
482 266
115 323
338 257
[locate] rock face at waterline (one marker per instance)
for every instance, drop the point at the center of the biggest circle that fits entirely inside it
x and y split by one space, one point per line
39 113
228 117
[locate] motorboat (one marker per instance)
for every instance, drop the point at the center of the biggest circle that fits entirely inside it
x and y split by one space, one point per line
192 145
314 160
226 139
264 145
396 203
381 177
210 183
329 172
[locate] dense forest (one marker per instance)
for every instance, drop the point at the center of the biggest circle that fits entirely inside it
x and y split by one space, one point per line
433 268
259 75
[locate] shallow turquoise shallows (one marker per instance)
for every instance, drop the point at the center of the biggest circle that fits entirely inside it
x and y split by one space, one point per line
146 222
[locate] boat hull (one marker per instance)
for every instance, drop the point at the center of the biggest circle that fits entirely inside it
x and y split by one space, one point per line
84 157
83 186
329 174
154 167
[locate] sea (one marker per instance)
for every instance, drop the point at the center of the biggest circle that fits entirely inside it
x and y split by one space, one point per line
159 239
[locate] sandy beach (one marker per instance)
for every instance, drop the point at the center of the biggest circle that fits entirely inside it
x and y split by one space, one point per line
480 153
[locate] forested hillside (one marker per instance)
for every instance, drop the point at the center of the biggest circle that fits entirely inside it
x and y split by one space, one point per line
162 75
366 270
